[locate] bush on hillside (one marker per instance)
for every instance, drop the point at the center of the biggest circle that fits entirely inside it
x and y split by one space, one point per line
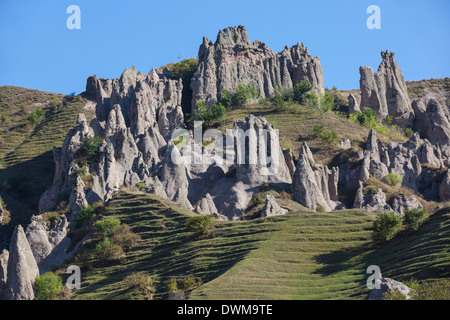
414 218
142 282
47 286
91 147
239 98
199 224
301 90
210 115
386 226
393 179
106 227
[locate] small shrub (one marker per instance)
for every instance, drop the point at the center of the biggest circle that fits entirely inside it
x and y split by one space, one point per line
142 282
227 98
393 180
82 171
86 214
4 117
328 135
409 132
125 238
414 218
199 224
36 115
320 208
256 200
215 113
327 103
108 251
386 226
91 147
300 91
393 295
141 185
278 102
47 286
171 285
312 100
51 217
434 290
106 227
189 283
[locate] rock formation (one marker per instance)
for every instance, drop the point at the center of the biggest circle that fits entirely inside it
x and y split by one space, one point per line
22 268
314 184
206 206
432 123
234 60
353 104
386 92
48 242
271 208
4 256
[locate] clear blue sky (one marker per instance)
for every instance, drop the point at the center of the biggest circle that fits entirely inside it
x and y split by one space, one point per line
38 51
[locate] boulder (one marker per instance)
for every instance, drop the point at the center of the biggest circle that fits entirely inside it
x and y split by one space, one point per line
402 203
206 206
388 285
271 208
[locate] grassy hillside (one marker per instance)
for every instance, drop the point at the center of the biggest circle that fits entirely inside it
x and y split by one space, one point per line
26 158
303 255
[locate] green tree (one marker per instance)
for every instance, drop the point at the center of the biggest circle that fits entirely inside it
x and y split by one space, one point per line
91 147
300 91
106 227
199 224
47 286
414 218
386 226
393 179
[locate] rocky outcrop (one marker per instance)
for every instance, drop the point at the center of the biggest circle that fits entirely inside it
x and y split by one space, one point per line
386 92
314 184
271 208
206 206
388 285
432 123
48 242
172 175
402 203
234 60
4 256
373 200
444 189
353 104
416 162
22 268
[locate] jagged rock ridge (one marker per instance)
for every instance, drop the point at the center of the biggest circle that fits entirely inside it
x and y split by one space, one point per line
234 60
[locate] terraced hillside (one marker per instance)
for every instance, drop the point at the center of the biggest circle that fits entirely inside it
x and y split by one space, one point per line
26 158
303 255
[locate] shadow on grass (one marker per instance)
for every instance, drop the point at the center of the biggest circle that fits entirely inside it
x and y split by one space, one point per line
422 254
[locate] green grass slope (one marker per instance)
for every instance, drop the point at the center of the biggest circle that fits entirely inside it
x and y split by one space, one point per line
302 255
26 147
